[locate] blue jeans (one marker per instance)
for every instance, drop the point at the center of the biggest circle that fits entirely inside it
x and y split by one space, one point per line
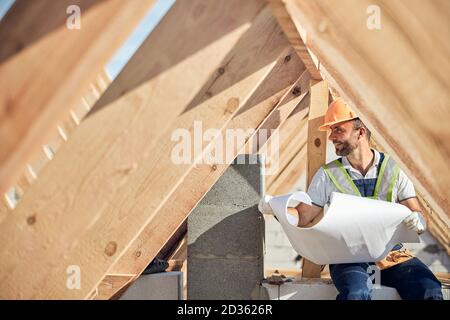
412 279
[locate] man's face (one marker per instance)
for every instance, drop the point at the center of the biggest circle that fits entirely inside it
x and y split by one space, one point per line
344 138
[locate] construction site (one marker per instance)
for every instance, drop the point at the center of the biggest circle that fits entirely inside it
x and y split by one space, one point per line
160 149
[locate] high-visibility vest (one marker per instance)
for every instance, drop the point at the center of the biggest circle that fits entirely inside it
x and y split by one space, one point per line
387 175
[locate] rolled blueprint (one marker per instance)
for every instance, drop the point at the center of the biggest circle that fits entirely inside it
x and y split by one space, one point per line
353 229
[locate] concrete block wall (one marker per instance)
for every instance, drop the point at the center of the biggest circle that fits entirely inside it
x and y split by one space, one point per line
225 237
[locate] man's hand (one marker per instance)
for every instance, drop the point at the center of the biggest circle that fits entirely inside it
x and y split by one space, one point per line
416 222
264 206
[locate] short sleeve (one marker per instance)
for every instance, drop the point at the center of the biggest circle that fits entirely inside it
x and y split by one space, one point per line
317 188
405 187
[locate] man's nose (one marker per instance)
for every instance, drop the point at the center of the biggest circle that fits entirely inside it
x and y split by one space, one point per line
331 137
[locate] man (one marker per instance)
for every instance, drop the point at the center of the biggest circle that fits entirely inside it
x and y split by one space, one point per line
365 172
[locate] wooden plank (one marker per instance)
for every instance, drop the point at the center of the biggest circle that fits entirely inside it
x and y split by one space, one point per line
383 73
317 150
171 246
45 68
291 173
39 161
4 207
85 214
292 137
272 124
112 283
281 13
437 227
181 250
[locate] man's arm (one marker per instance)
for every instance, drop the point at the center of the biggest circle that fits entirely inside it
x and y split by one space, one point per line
307 215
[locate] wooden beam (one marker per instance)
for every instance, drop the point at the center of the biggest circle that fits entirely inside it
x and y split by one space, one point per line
437 227
46 68
383 73
292 138
174 252
57 137
317 150
281 13
288 105
111 284
173 244
121 170
291 173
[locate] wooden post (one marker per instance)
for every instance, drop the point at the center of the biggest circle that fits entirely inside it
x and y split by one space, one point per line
317 147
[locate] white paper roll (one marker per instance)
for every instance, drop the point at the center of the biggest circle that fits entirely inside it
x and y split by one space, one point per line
353 229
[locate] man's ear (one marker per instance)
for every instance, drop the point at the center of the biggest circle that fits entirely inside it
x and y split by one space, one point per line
362 132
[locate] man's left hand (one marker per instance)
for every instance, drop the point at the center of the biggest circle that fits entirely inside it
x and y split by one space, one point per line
416 222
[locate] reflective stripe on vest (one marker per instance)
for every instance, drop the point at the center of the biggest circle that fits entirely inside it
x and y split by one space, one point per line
385 181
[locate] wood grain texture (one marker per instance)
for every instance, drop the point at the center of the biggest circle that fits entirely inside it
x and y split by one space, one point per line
317 150
280 9
202 177
117 165
46 68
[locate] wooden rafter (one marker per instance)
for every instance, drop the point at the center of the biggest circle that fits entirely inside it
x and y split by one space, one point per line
280 11
57 138
293 138
46 68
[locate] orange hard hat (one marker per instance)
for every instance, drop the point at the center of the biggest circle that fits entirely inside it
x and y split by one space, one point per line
338 111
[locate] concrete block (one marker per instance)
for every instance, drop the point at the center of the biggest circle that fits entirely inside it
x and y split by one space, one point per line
225 237
239 185
156 286
237 228
223 278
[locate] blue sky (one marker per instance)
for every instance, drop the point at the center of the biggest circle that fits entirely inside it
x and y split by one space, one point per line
4 6
118 61
130 46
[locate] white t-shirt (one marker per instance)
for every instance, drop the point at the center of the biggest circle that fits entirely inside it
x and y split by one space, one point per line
321 186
